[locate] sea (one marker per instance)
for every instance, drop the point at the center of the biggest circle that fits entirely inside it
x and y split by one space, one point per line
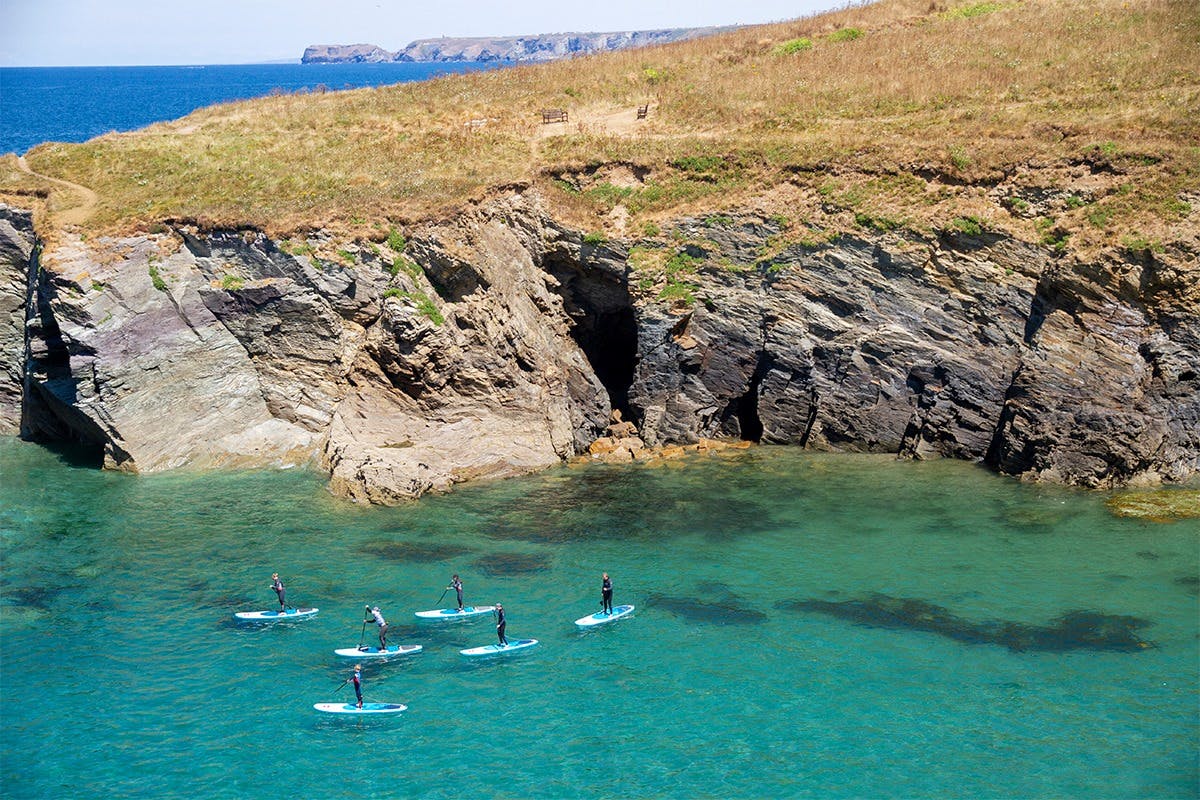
74 104
807 625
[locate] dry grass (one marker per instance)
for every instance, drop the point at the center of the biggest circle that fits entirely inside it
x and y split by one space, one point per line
908 123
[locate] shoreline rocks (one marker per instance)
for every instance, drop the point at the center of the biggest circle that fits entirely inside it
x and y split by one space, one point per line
500 342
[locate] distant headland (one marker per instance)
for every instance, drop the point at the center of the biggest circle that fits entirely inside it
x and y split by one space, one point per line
538 47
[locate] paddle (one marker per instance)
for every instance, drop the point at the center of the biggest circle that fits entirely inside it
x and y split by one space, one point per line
439 602
363 632
342 686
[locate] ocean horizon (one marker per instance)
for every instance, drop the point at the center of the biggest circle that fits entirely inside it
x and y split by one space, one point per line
74 104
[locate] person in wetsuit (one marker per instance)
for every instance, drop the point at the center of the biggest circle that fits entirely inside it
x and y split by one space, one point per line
456 585
277 586
377 615
500 623
357 678
606 594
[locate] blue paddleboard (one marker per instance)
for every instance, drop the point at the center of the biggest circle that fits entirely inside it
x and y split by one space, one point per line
454 613
275 616
375 652
497 649
368 708
600 618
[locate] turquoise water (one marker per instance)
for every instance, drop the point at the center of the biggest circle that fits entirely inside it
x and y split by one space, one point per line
124 677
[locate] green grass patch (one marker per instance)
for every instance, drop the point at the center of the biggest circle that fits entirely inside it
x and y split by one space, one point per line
846 35
396 241
1099 217
594 238
971 226
421 301
231 283
793 46
155 278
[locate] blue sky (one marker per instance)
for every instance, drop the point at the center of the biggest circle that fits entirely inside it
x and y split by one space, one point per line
120 32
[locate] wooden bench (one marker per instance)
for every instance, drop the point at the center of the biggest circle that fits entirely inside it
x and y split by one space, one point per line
643 110
553 115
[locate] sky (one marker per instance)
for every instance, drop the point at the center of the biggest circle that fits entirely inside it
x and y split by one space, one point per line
36 33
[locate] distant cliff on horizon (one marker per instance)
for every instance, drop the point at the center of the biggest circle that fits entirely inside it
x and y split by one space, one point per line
538 47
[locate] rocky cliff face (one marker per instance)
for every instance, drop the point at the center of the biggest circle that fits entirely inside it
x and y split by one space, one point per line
345 54
499 343
534 48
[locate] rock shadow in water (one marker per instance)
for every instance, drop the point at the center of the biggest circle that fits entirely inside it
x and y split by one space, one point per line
406 552
725 612
499 565
39 597
1190 583
1075 630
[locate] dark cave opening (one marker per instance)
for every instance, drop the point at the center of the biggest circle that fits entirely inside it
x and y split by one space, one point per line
603 324
745 408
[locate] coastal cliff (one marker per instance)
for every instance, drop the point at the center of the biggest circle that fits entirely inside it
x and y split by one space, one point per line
532 48
500 341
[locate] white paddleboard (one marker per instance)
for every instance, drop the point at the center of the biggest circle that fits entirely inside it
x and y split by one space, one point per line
275 616
454 613
375 652
497 649
368 708
600 618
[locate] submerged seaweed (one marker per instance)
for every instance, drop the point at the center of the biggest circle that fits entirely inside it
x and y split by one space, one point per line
1074 630
726 612
509 564
39 597
405 552
1158 505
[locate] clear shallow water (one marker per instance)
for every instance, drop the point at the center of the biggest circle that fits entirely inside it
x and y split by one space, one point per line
73 104
122 675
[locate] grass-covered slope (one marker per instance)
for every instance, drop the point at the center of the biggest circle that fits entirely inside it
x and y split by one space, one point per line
901 113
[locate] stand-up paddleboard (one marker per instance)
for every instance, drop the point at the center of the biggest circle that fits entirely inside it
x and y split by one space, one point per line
375 652
275 616
368 708
454 613
600 617
499 649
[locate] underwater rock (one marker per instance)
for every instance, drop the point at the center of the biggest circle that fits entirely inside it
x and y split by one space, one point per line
723 613
407 551
509 564
1160 505
1074 630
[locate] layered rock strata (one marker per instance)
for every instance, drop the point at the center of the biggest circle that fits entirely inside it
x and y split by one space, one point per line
500 342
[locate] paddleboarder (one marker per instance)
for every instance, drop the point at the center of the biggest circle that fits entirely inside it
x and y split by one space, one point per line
500 623
606 594
377 615
456 585
357 678
277 586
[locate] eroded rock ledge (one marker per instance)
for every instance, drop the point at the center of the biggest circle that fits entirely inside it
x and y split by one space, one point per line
500 343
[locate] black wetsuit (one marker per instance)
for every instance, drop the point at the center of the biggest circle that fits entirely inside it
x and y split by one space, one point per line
606 595
277 585
500 623
357 687
456 584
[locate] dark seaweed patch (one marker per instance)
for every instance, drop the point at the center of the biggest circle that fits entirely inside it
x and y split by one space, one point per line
405 552
34 596
512 564
1149 555
693 610
1075 630
1189 582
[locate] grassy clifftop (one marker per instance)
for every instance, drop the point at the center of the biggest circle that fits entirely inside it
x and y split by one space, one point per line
1059 121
